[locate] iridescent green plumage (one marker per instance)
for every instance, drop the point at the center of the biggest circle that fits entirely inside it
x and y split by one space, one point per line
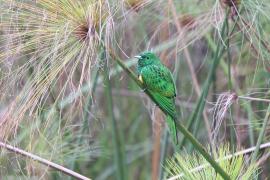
158 80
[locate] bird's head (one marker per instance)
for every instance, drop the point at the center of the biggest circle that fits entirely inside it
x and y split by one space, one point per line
147 58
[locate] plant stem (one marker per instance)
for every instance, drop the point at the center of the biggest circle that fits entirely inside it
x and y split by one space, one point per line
232 136
116 136
196 115
87 107
163 152
224 66
261 135
203 152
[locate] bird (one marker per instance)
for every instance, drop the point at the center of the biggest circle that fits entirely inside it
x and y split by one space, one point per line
157 79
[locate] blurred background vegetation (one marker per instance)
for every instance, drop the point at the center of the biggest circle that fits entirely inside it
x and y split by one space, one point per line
64 97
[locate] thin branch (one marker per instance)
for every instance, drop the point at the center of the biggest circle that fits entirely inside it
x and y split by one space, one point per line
43 161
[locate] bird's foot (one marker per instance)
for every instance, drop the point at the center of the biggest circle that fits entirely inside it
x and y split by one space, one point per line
143 90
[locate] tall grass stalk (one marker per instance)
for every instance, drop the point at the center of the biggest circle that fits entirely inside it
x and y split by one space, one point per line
85 123
247 105
261 135
196 115
163 151
119 153
232 127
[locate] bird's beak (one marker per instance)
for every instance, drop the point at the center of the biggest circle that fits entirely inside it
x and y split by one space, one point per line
138 57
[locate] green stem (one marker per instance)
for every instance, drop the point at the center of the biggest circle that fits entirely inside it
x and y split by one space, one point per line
247 105
229 56
87 107
116 136
201 104
163 153
203 152
250 122
195 118
196 115
262 133
232 127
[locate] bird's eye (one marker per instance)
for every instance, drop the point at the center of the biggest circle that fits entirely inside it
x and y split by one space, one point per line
147 57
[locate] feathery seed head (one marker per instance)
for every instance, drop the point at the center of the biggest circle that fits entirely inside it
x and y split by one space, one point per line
55 40
91 24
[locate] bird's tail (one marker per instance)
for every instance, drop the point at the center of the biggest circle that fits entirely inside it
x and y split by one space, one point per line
168 106
172 128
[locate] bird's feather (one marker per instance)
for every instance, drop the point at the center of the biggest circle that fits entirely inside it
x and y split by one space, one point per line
167 104
159 79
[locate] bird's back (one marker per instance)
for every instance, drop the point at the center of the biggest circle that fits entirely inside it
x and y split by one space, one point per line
158 78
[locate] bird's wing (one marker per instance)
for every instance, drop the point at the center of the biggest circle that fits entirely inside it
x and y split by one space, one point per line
158 78
166 104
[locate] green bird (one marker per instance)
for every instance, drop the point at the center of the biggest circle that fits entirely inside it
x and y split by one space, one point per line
157 79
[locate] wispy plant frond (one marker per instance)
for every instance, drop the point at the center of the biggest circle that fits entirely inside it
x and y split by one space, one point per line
181 166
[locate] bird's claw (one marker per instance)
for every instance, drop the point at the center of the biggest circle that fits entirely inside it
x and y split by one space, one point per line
144 89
